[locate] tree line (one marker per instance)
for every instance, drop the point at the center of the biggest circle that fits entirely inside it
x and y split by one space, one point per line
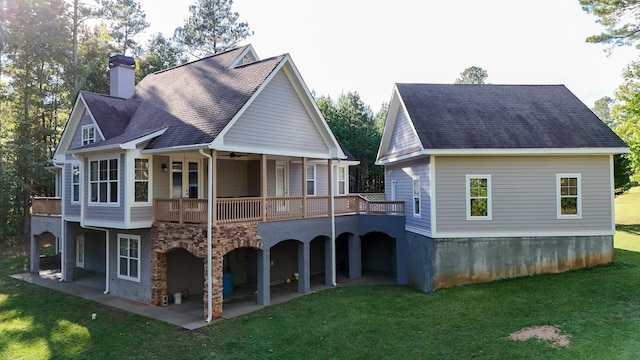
52 49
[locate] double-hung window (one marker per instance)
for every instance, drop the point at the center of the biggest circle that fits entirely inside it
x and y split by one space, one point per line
416 196
311 179
103 181
75 183
141 181
569 200
478 197
88 134
342 180
129 257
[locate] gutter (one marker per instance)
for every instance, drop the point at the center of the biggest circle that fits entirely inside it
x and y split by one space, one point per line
82 225
209 229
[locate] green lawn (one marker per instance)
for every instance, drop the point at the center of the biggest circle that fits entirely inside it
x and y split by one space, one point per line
599 308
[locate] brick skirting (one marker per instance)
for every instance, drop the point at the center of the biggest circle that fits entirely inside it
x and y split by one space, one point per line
193 238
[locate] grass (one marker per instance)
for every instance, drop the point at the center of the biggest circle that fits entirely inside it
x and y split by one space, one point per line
598 307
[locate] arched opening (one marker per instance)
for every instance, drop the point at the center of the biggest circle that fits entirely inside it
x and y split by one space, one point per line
185 280
342 255
379 255
240 276
48 252
285 270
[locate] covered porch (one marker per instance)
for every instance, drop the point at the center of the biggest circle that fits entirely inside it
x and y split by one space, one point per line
250 187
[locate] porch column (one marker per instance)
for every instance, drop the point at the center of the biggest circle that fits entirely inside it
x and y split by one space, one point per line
330 266
35 254
304 268
304 187
355 258
330 185
263 185
264 277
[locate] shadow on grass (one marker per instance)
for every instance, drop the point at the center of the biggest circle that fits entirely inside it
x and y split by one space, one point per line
631 229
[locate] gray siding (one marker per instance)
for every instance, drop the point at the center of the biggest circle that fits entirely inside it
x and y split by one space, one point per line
523 193
277 119
76 140
141 213
140 291
403 137
160 178
108 213
69 208
403 174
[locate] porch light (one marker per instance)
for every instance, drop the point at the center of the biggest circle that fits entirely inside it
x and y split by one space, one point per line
165 168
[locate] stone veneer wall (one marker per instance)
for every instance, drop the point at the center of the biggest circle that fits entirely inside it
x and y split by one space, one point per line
193 238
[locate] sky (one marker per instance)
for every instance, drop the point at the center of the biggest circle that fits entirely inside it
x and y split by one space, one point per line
367 46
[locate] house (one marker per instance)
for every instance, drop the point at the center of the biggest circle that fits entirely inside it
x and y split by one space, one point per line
499 181
210 175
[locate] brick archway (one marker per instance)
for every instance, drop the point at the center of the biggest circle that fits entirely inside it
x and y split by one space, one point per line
193 238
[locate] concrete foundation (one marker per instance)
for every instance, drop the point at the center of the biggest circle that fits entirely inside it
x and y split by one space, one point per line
439 263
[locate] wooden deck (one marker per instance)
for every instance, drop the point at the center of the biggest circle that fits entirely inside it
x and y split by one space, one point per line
250 209
46 206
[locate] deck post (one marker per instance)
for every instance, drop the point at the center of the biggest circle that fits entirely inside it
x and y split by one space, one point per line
213 187
304 268
264 277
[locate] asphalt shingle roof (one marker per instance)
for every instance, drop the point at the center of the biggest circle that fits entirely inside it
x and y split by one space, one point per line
194 101
460 116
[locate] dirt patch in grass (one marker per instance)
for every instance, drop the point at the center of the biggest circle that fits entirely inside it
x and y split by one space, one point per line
545 333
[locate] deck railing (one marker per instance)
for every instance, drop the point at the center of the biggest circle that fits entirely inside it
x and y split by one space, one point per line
46 206
250 209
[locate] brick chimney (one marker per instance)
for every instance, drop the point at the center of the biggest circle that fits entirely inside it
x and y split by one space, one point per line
122 76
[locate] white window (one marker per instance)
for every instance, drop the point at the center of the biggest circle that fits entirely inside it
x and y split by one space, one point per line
416 196
103 181
129 257
342 180
478 197
569 201
141 182
80 251
88 134
75 183
311 179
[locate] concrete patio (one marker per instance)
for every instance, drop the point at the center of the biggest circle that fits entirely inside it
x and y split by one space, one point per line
188 314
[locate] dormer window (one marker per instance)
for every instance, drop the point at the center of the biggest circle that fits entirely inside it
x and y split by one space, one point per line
88 134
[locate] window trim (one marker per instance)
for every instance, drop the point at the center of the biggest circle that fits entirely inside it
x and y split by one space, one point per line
108 181
88 140
75 184
147 180
417 198
313 180
468 179
578 196
129 237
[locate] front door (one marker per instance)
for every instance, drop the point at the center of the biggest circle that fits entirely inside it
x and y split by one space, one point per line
282 184
185 179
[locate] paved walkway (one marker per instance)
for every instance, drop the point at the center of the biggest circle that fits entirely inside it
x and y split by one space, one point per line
189 314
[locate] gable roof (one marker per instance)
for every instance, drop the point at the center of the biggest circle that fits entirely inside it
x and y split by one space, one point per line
500 117
191 105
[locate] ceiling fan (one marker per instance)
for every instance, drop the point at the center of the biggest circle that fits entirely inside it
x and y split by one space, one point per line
234 154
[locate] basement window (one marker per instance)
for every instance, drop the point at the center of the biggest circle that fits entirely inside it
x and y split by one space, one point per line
129 257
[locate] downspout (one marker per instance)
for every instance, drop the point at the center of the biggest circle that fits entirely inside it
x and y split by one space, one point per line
63 233
82 225
209 229
333 225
